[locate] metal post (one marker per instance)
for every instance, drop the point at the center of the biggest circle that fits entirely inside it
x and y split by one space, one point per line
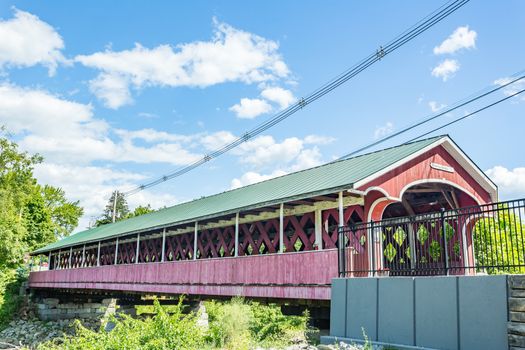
70 257
163 245
341 238
372 242
116 252
98 254
444 231
237 234
83 255
281 228
195 237
137 251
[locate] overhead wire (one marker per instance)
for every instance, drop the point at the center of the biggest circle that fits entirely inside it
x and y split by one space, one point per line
462 103
421 26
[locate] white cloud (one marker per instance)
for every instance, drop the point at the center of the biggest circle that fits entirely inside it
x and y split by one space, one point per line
461 38
306 158
252 177
279 95
318 139
232 55
216 140
250 108
112 89
436 107
382 131
28 41
511 183
92 186
446 69
67 131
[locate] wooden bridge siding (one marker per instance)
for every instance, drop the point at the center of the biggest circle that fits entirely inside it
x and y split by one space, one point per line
305 275
419 169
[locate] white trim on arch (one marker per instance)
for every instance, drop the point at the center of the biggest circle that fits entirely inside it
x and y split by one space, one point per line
379 189
447 182
455 152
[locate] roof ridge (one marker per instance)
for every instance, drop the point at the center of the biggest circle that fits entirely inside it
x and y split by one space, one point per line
308 169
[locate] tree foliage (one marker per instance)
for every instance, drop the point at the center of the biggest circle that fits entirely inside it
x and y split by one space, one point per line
499 243
122 210
31 215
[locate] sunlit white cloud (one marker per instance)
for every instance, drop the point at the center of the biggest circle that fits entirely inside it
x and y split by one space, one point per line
232 55
28 41
461 38
446 69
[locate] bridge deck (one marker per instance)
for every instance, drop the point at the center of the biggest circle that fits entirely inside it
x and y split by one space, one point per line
303 275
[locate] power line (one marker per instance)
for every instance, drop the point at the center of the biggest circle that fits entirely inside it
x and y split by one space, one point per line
467 115
427 22
483 93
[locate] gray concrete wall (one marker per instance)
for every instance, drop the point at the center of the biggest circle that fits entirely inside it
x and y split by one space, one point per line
467 312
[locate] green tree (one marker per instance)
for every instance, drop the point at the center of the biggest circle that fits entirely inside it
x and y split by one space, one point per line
31 215
499 243
140 210
121 212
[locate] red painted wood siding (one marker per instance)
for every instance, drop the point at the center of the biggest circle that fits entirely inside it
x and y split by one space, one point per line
305 275
419 169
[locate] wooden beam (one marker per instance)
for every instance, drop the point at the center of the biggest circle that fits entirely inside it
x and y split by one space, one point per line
407 207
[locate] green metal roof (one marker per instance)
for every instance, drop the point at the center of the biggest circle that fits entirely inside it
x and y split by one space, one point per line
315 181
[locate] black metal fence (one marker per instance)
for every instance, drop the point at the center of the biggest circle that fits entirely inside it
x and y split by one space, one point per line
472 240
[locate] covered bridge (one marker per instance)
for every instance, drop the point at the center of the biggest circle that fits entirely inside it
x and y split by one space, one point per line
273 239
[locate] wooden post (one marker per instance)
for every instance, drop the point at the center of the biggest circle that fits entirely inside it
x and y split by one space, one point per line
49 261
138 247
319 229
116 252
83 255
58 265
341 211
98 254
163 245
195 237
237 234
281 228
70 257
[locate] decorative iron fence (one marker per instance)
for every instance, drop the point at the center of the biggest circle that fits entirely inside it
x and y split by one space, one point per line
471 240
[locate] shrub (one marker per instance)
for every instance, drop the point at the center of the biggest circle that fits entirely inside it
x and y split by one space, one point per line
163 331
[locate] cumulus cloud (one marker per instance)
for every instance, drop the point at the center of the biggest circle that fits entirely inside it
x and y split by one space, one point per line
304 159
382 131
28 41
92 186
446 69
461 38
511 182
436 107
252 177
232 55
279 95
67 131
250 108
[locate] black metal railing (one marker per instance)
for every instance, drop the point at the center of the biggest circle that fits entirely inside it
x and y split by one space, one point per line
487 239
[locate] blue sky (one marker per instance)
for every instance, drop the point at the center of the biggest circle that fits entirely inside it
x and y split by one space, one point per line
114 94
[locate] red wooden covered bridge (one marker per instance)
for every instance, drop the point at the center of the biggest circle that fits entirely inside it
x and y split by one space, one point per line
273 239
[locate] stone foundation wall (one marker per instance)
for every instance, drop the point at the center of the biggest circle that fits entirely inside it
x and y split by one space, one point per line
49 309
516 325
